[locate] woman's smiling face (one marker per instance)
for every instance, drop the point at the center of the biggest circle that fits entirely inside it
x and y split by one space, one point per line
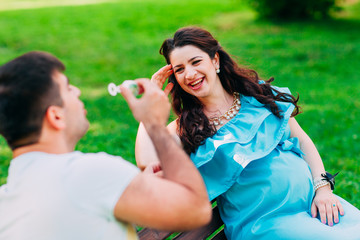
194 70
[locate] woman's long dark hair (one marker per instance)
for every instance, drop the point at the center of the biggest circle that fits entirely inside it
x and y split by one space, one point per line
193 125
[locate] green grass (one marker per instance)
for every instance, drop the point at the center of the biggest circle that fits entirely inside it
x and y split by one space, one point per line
118 40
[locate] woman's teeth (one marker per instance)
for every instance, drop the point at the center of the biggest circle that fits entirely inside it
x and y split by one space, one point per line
196 82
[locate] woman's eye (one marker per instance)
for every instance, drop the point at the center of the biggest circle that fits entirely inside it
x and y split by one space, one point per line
178 70
196 62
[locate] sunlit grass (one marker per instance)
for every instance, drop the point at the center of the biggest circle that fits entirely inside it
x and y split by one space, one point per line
114 41
6 5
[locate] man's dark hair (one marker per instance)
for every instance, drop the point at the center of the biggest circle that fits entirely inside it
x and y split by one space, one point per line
27 90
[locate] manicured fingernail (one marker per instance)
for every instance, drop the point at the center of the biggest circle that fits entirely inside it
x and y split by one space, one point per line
330 224
336 221
323 221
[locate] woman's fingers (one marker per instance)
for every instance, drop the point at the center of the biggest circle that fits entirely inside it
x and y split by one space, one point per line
313 210
329 214
322 213
161 75
329 209
168 88
335 212
328 205
341 209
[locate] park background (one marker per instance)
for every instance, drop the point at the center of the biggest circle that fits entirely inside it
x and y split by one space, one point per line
111 41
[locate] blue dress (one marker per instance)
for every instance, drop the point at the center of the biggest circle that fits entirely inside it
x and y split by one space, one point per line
263 186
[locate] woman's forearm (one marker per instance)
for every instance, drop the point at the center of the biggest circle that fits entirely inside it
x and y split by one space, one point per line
145 152
312 156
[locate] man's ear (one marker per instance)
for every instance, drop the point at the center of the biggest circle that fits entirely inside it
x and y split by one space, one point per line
55 117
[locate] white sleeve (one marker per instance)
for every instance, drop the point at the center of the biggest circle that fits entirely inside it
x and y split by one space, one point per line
96 181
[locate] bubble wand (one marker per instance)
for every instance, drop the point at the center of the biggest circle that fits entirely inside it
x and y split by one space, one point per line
130 84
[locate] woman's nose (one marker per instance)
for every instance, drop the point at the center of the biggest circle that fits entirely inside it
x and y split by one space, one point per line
190 73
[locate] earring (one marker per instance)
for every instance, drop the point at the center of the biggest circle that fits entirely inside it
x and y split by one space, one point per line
218 70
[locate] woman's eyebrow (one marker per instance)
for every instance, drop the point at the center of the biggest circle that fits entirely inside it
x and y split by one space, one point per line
191 59
194 58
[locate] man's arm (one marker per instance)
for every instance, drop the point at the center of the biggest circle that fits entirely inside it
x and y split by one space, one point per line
179 200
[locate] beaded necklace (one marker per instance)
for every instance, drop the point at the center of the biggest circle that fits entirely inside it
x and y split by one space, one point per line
229 114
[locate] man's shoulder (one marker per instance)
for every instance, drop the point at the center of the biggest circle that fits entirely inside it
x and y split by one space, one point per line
97 177
100 162
95 156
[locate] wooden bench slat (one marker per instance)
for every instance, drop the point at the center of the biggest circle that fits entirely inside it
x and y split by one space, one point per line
219 236
152 234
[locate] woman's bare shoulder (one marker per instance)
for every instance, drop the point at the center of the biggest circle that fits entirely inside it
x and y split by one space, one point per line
172 127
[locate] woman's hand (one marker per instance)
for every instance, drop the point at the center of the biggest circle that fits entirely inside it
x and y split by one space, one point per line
154 168
160 77
328 206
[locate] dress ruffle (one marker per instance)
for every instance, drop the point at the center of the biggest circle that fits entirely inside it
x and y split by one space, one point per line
252 134
263 186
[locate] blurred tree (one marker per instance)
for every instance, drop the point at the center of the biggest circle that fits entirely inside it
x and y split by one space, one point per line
294 9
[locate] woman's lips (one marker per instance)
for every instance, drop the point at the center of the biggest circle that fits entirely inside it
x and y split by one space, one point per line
196 84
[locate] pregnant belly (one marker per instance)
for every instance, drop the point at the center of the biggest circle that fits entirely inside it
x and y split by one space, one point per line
278 184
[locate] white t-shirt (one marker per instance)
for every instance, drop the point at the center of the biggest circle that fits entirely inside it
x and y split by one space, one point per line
64 197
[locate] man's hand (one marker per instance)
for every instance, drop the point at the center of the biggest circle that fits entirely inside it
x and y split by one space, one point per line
152 108
176 201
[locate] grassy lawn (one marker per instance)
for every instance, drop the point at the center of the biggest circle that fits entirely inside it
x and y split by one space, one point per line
110 41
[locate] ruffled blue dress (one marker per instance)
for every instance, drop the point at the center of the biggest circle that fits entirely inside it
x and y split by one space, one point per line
263 186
